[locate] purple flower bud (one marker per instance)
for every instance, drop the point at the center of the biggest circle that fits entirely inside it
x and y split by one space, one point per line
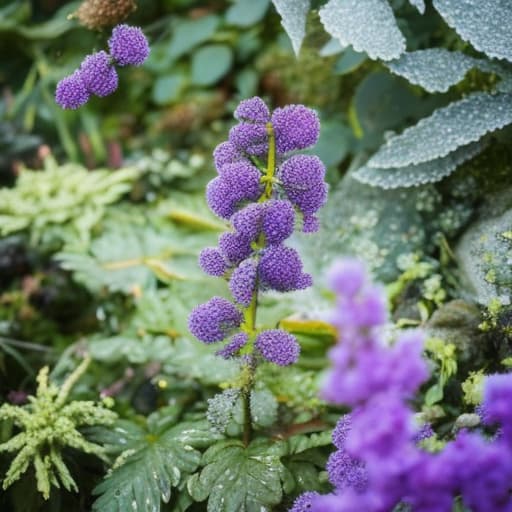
310 224
304 503
295 127
213 320
278 347
98 74
340 432
346 472
226 153
423 432
236 183
233 346
278 221
71 92
250 138
212 262
128 45
252 110
247 221
234 247
302 177
243 282
280 269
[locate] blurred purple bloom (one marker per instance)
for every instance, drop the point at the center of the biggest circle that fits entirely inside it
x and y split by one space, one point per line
71 92
128 45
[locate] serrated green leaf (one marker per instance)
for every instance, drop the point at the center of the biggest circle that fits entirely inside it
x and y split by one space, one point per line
152 466
484 23
236 478
434 69
368 25
414 175
293 18
210 63
129 258
447 129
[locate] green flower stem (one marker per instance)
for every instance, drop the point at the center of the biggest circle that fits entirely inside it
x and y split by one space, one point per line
249 324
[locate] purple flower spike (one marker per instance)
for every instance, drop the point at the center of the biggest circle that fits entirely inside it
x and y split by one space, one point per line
98 74
233 346
249 138
295 127
212 262
252 110
234 247
213 320
243 282
128 45
278 221
71 92
304 503
280 269
225 153
278 347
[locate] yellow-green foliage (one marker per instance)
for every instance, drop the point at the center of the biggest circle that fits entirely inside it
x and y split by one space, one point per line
48 424
59 195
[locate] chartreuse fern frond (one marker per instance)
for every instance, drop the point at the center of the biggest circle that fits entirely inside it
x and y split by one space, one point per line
48 425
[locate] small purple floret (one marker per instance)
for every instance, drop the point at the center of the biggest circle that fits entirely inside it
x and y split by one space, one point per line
253 110
71 92
225 153
212 262
213 320
303 503
243 282
278 221
280 269
249 138
233 346
98 74
128 45
295 127
234 248
278 347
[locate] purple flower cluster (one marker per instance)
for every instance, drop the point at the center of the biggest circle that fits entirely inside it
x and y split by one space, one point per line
378 464
262 190
97 74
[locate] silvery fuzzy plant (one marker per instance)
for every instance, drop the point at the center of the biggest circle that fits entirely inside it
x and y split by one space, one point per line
455 133
264 189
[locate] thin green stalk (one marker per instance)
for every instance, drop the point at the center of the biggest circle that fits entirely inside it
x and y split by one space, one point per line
251 310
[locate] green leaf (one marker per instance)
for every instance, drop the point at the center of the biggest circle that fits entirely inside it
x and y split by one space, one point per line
191 33
210 63
127 258
293 18
414 175
153 464
167 88
368 25
235 478
484 23
349 61
447 129
244 13
434 69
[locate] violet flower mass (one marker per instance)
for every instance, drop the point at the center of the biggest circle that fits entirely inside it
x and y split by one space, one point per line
379 465
97 74
261 193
